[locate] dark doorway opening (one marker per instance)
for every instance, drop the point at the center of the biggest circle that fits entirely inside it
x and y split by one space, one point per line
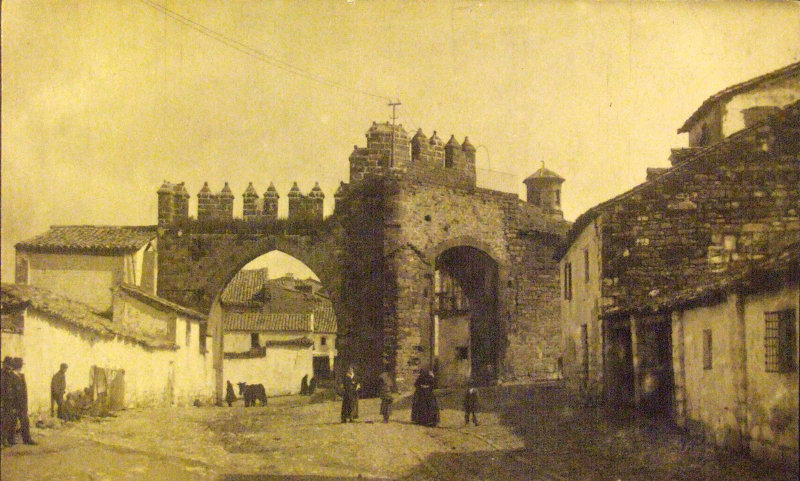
466 335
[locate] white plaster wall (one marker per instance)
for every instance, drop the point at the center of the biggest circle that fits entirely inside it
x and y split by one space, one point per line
281 371
775 94
85 278
711 393
194 378
583 308
770 394
453 333
46 344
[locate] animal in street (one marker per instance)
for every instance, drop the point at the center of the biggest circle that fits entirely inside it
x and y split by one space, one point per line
252 393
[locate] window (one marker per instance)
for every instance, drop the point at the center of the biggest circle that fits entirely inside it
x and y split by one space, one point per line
202 337
567 281
462 353
188 333
586 264
448 158
558 197
779 341
254 344
707 349
323 341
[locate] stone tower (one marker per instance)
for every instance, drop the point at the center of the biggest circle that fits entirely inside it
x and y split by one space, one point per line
544 190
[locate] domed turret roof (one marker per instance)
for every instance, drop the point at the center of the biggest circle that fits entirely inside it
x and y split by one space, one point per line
544 174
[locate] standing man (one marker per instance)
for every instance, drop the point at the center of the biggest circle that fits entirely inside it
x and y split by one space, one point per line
386 389
58 386
8 385
471 404
21 402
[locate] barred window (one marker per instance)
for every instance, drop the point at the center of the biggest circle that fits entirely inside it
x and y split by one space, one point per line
779 341
707 349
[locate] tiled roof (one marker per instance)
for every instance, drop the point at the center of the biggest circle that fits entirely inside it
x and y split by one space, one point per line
74 313
90 238
161 302
265 321
324 319
789 70
245 288
543 173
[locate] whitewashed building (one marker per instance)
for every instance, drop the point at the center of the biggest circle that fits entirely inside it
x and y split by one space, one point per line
276 332
123 364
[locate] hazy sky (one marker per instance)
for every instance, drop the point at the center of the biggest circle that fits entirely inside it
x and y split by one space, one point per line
104 100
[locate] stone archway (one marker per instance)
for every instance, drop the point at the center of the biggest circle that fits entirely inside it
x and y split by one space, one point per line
467 336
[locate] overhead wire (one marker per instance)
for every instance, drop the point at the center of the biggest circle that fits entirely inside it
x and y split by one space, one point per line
256 53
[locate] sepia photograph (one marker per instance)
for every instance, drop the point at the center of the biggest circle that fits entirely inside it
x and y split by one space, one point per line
274 240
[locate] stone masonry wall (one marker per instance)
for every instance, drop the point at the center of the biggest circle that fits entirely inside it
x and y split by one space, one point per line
735 203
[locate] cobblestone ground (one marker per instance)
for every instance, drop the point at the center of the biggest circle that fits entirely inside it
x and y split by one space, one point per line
525 433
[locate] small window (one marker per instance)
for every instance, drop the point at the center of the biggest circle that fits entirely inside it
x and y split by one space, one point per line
462 353
202 338
586 264
558 197
323 341
567 281
707 349
188 333
779 341
254 344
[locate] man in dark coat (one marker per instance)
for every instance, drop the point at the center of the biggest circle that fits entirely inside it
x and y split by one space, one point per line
387 387
21 402
9 414
58 386
350 387
424 408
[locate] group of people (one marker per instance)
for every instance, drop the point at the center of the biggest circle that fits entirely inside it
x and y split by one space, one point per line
424 407
14 402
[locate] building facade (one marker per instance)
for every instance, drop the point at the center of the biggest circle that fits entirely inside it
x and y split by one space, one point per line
632 265
276 332
122 365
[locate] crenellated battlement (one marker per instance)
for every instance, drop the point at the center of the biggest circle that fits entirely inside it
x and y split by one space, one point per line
390 150
173 203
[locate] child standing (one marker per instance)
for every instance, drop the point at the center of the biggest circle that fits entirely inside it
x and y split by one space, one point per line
471 404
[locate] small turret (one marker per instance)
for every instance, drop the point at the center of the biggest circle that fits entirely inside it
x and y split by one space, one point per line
295 202
544 190
180 201
270 207
469 151
165 204
436 149
250 210
206 203
451 152
225 202
419 147
316 201
339 195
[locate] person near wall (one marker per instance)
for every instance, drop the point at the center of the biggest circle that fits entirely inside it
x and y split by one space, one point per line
349 387
386 389
21 402
7 401
471 404
230 396
424 408
58 386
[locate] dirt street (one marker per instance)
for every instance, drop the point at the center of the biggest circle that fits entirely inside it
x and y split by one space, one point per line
525 433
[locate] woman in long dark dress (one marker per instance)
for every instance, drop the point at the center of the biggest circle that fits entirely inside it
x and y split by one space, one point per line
349 389
424 408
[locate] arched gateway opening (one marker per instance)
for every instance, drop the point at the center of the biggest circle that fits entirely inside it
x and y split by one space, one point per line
273 324
466 334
